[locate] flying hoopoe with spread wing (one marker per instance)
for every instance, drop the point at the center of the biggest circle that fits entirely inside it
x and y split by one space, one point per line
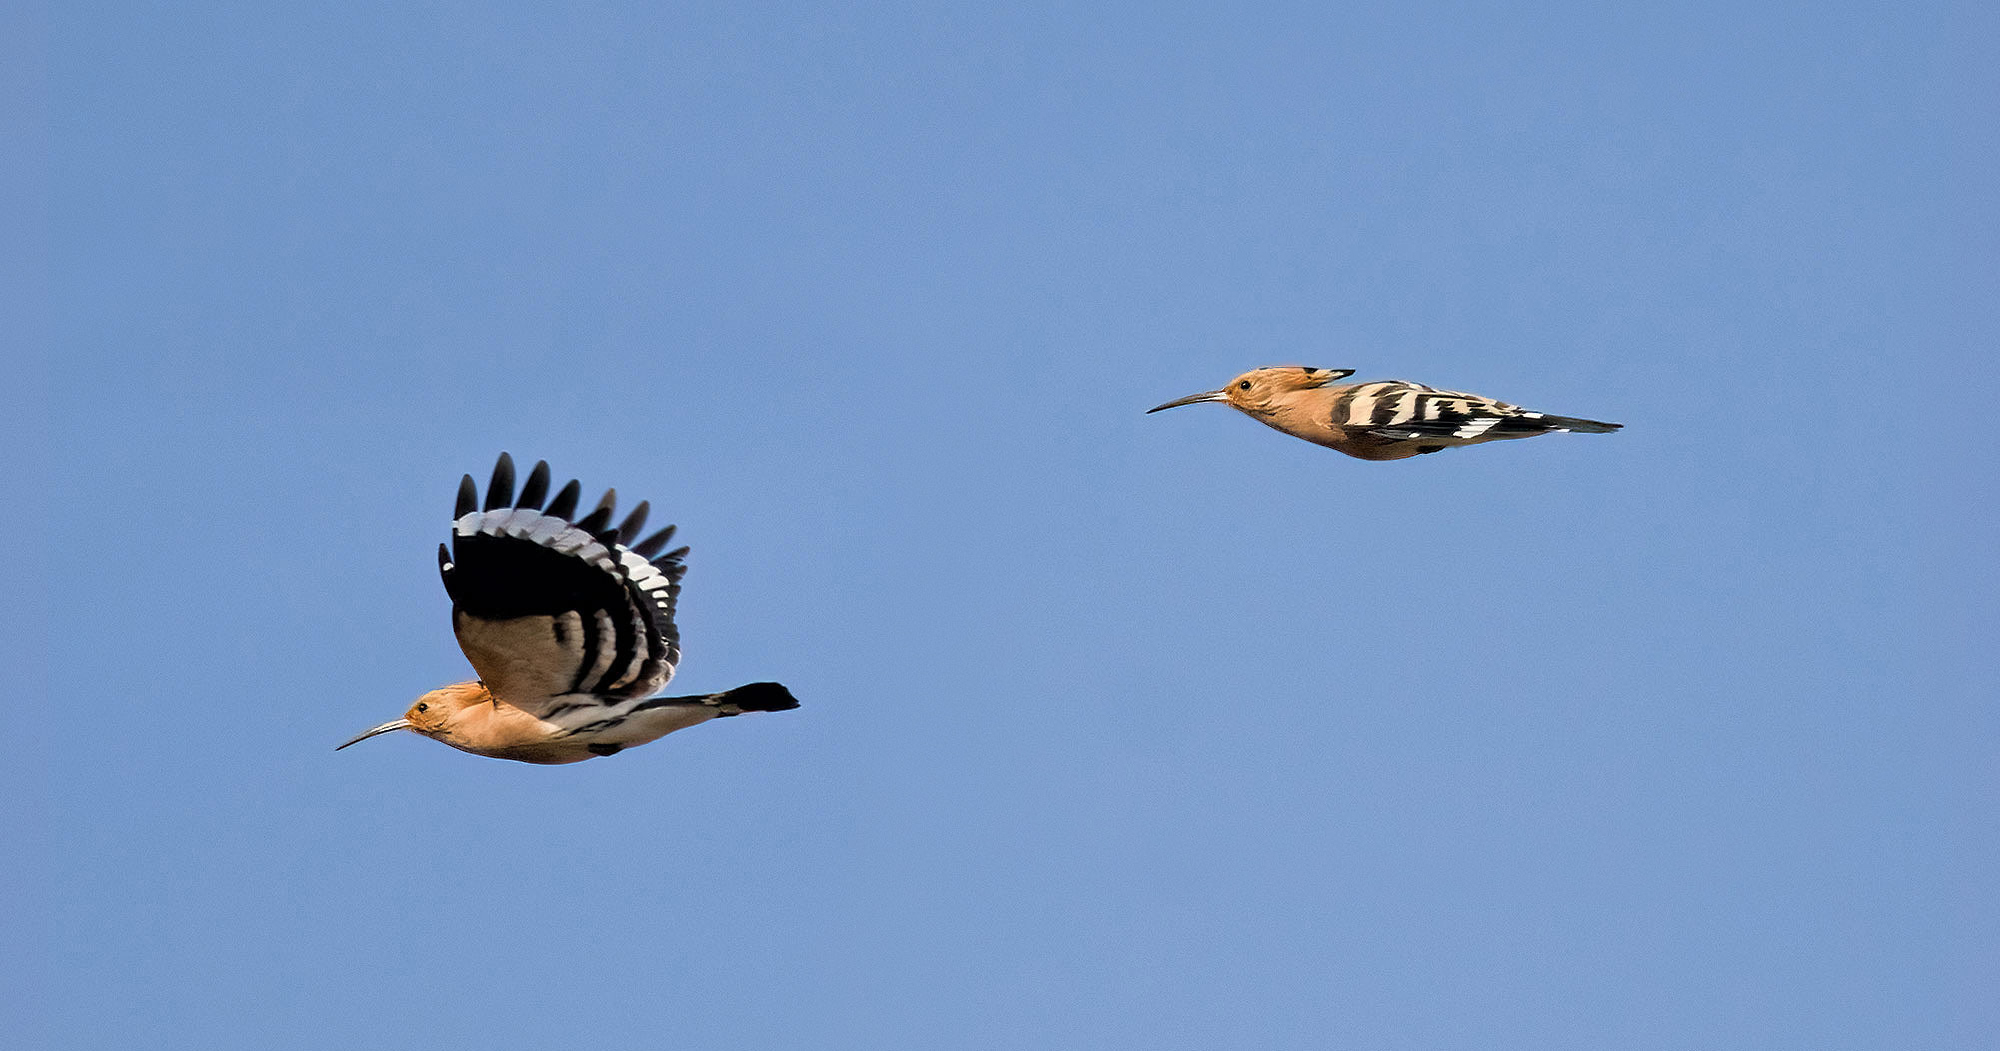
1382 420
571 630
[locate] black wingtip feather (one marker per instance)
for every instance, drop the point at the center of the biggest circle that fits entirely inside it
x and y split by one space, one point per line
500 491
564 505
468 498
595 522
634 521
651 546
671 558
537 488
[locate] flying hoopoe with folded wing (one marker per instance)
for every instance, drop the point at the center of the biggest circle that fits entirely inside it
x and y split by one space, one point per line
571 630
1382 420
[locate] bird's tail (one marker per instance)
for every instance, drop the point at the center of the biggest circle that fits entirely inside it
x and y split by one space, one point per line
755 697
1580 426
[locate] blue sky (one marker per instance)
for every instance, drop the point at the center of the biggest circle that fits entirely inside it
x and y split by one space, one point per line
1119 731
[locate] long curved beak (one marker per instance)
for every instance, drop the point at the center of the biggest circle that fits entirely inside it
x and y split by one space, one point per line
399 724
1213 395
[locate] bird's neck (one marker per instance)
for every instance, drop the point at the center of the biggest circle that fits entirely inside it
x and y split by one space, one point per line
1306 414
488 725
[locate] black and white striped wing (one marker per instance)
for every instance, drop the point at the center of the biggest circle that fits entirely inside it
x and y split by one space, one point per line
1398 410
547 605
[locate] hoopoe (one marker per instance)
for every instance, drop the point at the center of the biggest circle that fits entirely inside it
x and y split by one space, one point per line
1382 420
570 630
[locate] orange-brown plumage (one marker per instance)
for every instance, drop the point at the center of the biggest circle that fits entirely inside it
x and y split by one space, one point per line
1380 420
570 628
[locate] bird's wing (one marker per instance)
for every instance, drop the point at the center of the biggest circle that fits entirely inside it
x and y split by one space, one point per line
547 605
1403 411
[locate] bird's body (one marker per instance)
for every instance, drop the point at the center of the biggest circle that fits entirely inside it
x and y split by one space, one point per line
468 717
1382 419
570 630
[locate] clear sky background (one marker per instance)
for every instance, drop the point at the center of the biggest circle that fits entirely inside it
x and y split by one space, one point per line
1119 731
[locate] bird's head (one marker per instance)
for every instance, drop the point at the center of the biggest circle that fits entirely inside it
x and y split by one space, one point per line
433 713
1258 390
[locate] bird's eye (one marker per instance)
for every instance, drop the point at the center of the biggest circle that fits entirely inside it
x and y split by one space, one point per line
422 707
1245 385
